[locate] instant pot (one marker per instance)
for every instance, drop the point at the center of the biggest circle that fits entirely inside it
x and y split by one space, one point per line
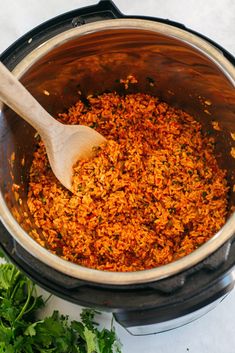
87 51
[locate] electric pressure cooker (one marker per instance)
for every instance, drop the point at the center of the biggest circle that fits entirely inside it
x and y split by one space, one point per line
89 50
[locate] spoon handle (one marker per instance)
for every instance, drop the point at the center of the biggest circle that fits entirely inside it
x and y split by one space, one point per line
16 96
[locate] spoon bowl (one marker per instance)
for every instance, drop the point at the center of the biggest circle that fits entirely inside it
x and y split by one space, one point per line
69 144
65 144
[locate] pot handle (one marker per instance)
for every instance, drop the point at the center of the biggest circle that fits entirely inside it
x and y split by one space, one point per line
104 10
107 10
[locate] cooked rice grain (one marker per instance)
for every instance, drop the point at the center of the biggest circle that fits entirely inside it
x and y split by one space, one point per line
153 194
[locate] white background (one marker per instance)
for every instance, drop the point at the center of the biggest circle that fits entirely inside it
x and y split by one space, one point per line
215 332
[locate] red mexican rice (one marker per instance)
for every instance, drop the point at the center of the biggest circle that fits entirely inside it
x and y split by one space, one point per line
153 194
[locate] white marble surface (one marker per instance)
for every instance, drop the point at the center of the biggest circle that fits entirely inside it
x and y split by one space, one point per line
215 332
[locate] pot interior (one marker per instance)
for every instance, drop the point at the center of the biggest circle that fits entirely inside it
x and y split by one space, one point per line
171 69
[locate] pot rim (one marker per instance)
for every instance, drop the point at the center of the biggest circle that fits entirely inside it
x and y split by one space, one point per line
107 277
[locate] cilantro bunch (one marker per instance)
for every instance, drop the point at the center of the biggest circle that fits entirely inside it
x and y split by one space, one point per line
21 332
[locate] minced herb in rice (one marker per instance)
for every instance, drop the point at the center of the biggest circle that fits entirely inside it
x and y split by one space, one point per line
152 194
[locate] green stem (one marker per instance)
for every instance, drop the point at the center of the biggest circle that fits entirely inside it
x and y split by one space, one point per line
30 290
48 298
34 294
14 290
31 307
13 283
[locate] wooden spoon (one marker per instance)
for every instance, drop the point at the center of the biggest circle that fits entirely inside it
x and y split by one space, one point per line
65 144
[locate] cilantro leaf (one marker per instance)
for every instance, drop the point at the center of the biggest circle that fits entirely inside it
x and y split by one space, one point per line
91 341
8 276
5 348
